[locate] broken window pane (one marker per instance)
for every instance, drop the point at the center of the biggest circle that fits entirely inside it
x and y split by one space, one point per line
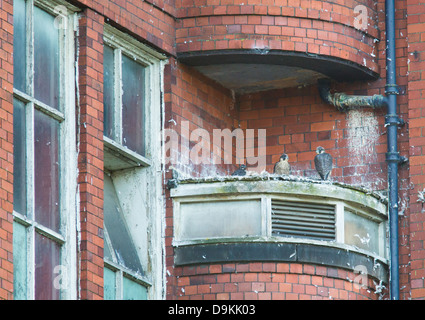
133 81
122 244
19 155
47 268
108 91
19 45
46 58
46 167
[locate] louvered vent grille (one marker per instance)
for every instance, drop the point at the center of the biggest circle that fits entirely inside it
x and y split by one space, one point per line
305 220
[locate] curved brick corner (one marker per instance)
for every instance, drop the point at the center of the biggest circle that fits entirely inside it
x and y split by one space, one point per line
289 271
312 27
273 281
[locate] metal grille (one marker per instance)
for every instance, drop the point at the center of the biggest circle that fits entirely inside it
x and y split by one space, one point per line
304 220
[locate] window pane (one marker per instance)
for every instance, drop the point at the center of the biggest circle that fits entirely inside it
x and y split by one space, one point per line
19 50
108 91
47 257
220 219
133 81
19 262
133 290
361 232
107 251
46 184
116 227
109 284
19 171
46 58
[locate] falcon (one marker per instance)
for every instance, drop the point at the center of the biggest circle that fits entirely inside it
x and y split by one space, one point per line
241 171
282 166
323 162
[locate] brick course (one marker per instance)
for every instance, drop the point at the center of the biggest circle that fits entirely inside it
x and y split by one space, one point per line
150 21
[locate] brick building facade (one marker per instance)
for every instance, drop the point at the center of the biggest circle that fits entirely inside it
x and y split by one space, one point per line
114 187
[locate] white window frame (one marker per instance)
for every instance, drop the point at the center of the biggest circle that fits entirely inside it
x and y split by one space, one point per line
148 166
153 63
67 149
121 272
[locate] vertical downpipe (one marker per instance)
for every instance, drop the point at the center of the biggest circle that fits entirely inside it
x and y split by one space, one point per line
392 157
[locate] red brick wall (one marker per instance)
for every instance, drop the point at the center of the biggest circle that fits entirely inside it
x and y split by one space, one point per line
150 21
6 149
415 272
193 99
297 122
90 157
272 281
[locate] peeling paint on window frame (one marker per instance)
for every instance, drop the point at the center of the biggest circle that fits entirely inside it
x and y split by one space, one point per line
66 237
127 163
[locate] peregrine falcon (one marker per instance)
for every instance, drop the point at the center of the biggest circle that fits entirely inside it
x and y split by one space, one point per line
323 162
282 166
241 171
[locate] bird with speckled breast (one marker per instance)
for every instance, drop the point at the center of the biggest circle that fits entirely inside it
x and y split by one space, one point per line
282 167
323 162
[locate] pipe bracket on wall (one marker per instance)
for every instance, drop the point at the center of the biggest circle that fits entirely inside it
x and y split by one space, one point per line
395 157
392 89
394 120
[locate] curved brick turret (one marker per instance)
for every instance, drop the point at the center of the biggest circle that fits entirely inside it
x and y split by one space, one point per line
341 35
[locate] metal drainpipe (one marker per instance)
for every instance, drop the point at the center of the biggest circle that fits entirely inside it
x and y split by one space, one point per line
345 102
393 158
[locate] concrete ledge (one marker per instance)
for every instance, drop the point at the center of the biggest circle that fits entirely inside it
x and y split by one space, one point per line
269 185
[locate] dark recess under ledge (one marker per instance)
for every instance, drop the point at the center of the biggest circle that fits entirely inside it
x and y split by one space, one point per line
246 71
